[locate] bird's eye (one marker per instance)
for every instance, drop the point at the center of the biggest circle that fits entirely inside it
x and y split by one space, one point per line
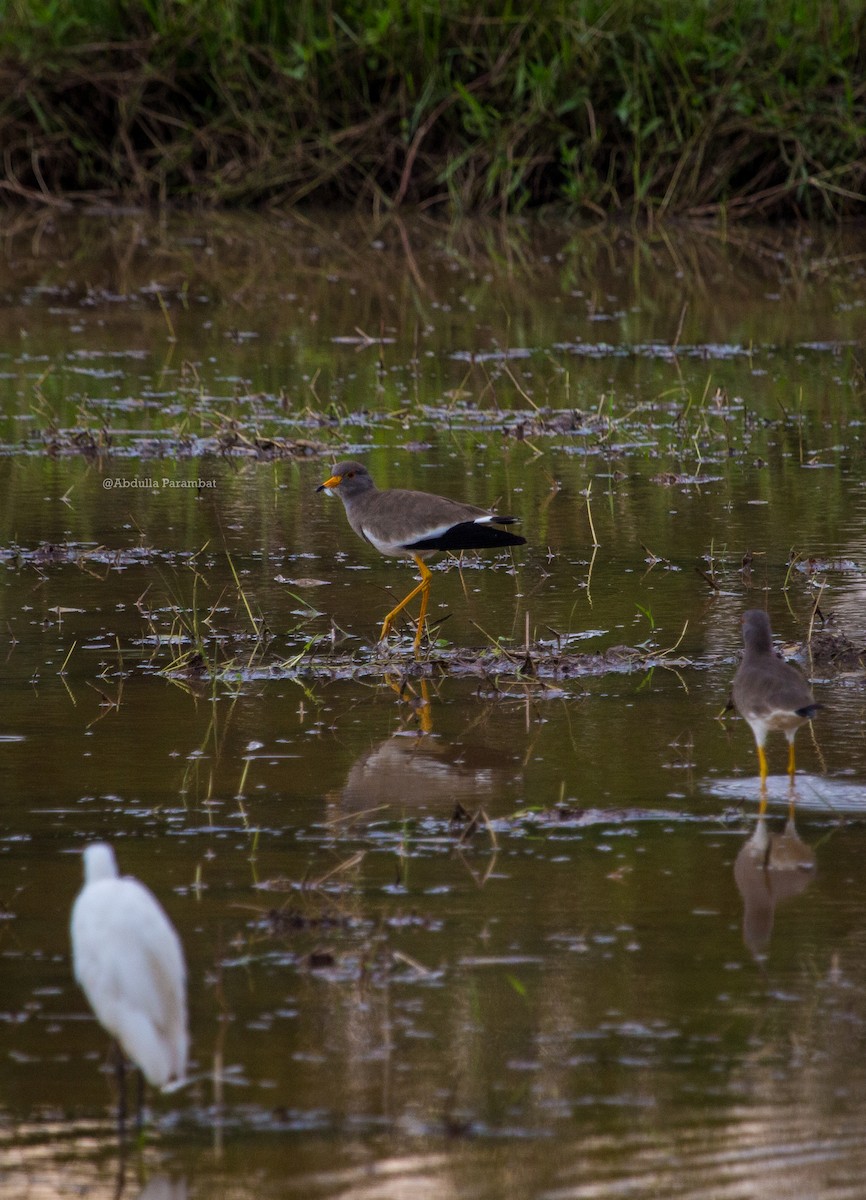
349 475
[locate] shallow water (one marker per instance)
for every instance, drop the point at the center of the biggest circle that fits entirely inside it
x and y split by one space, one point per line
589 990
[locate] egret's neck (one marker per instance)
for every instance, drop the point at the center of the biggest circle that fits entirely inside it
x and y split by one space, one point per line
99 863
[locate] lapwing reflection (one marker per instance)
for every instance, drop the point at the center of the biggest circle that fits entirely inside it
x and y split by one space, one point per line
415 769
406 771
770 869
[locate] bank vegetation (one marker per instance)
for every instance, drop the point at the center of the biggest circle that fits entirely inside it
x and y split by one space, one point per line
734 108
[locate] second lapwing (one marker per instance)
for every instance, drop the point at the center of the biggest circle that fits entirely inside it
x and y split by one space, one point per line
768 692
410 524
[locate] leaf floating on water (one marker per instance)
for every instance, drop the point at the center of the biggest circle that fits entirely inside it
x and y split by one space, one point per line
303 582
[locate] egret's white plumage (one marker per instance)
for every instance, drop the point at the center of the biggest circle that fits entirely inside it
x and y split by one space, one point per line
129 961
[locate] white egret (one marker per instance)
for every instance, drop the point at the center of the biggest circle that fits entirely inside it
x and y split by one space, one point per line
128 959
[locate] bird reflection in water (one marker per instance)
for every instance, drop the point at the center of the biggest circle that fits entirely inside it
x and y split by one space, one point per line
770 869
414 769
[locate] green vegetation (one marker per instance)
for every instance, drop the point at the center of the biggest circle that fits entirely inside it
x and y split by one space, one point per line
696 107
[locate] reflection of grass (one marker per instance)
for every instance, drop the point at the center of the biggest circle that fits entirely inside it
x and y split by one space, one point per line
202 651
207 649
735 107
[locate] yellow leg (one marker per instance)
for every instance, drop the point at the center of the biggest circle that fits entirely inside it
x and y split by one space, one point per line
389 620
762 764
426 576
424 589
791 759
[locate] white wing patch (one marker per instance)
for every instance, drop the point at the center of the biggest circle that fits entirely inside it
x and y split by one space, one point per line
398 549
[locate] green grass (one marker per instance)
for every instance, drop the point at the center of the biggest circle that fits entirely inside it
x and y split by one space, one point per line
730 108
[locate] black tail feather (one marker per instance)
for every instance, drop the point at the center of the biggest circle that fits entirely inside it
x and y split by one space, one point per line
469 535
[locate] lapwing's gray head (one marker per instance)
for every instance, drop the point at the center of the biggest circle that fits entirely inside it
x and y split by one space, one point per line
757 634
348 479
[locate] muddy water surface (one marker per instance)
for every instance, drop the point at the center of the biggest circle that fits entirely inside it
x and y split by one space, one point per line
487 922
